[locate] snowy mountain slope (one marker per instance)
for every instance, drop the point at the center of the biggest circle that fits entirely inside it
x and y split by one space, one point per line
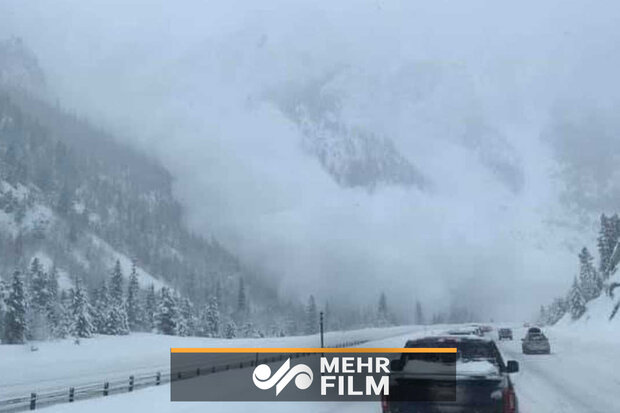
352 156
80 197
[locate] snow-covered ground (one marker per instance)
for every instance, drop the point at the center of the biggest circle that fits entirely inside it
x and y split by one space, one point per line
62 364
157 399
581 375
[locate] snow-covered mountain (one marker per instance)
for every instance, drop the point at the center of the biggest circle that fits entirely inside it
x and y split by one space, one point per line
353 156
79 200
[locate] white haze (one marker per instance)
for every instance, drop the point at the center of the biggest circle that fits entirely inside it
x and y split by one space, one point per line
187 81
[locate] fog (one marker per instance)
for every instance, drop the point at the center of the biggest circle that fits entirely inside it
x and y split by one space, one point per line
506 111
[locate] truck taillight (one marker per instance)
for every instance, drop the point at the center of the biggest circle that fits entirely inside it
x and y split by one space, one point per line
510 401
385 408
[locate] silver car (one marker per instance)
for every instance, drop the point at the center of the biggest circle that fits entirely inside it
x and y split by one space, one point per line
535 342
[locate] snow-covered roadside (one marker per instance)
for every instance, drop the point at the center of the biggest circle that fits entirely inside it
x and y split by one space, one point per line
62 364
579 376
157 399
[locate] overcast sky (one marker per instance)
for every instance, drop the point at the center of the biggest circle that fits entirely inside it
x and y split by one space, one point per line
507 108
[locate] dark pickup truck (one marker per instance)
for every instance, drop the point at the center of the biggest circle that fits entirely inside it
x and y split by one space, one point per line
483 384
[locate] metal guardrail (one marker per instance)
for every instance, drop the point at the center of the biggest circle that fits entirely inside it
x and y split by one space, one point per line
134 382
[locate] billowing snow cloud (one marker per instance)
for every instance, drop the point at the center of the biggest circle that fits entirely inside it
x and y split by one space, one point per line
421 148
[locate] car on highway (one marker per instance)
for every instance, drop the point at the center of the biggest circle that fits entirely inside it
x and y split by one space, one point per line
535 342
482 382
504 334
486 328
466 331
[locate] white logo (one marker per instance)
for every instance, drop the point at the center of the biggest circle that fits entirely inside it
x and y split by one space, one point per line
264 380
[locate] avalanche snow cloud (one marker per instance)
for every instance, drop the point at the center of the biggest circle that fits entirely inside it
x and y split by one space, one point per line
428 149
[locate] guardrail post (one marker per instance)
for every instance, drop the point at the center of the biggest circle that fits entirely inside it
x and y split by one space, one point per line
71 394
158 379
33 401
130 383
106 388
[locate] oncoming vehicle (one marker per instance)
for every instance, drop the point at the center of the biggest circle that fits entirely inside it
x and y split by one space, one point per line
504 334
535 342
483 383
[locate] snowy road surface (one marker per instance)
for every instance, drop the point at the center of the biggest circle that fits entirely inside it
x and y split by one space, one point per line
581 375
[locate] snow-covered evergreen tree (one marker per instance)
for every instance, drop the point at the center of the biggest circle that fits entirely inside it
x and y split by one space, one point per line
312 320
609 235
186 324
150 308
230 331
116 284
40 302
167 313
4 293
242 303
15 324
135 313
382 311
419 314
116 321
590 282
54 310
212 318
101 308
81 312
576 302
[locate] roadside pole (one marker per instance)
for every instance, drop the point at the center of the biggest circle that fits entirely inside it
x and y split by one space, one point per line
321 321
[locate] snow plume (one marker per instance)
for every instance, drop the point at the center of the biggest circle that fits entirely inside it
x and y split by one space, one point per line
456 94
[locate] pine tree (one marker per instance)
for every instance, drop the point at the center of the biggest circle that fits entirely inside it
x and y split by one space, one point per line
134 307
187 320
4 293
40 302
116 284
609 235
312 322
590 282
242 304
15 325
576 302
150 308
419 315
382 311
212 318
231 330
116 320
80 311
53 310
101 308
249 331
167 313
